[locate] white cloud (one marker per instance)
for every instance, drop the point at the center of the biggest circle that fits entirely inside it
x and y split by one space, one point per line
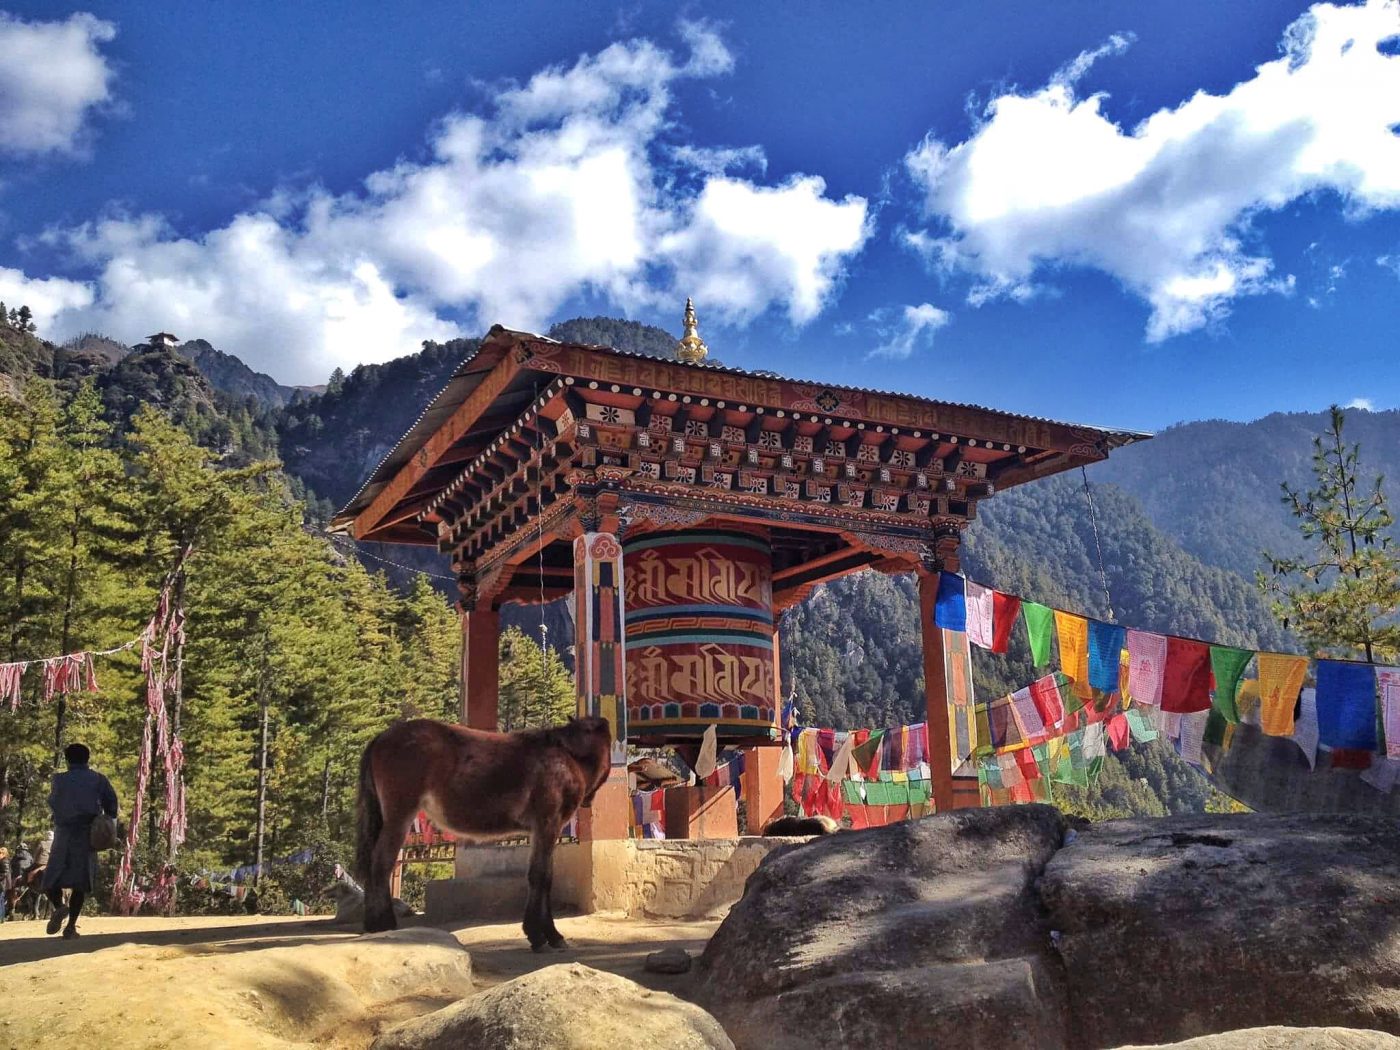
1165 207
1389 262
913 328
568 185
1363 403
52 76
46 297
747 246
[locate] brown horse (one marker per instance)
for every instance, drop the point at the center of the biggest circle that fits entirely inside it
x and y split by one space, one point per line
478 785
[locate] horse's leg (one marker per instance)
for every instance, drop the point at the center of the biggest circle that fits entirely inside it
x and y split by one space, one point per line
539 917
379 905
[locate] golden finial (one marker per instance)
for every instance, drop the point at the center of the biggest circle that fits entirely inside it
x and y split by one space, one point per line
691 349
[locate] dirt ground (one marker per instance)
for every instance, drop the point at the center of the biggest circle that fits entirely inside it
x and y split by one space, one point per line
260 982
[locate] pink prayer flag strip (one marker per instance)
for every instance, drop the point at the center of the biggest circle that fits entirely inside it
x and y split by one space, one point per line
980 608
1147 659
1388 682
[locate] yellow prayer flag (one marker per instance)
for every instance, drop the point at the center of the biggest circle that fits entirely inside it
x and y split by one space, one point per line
1280 681
1073 632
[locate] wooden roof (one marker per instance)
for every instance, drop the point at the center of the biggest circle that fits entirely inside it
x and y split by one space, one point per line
489 390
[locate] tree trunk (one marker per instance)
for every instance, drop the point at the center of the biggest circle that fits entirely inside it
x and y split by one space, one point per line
326 794
178 699
70 594
262 774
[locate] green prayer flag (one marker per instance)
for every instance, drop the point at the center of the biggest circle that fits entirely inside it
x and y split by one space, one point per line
1039 621
1217 725
850 793
1227 664
1141 726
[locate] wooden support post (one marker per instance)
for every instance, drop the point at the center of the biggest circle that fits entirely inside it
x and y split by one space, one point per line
481 677
763 788
940 757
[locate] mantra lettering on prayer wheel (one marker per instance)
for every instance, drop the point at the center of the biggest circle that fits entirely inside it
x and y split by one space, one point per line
699 619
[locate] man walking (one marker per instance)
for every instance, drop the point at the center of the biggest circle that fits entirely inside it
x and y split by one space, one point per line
77 798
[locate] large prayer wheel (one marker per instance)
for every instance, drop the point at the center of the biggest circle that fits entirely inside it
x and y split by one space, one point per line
699 616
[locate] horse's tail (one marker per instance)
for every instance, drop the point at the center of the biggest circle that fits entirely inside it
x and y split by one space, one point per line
370 819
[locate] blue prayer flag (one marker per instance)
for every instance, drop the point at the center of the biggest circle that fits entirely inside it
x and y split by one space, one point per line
950 611
1106 642
1346 704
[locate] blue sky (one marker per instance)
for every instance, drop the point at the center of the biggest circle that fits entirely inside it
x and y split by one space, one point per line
1117 214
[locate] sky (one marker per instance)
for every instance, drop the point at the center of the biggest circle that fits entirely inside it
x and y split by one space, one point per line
1121 214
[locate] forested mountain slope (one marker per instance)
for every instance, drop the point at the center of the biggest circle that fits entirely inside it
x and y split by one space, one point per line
1214 485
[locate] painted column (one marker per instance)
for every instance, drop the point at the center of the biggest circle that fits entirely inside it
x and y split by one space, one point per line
480 678
600 673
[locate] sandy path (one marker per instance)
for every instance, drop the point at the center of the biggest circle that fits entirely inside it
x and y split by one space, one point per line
257 983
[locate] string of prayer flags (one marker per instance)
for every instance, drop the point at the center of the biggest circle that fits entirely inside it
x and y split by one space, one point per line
1388 681
1346 704
11 675
868 754
950 608
1073 633
1105 655
1227 664
1006 610
1039 620
1147 662
979 604
69 674
1186 676
1280 681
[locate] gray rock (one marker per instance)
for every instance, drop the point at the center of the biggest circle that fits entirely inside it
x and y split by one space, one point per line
986 928
563 1007
924 933
668 960
1286 1039
1178 927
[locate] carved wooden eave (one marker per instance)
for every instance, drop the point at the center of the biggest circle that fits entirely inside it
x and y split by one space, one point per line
533 439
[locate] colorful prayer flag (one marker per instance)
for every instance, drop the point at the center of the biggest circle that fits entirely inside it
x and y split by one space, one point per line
1305 728
1105 650
1346 704
950 610
978 604
1388 682
1186 678
1227 664
1039 621
1006 609
1147 660
1280 681
1073 632
1049 702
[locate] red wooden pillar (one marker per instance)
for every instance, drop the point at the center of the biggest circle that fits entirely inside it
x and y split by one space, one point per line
481 676
600 672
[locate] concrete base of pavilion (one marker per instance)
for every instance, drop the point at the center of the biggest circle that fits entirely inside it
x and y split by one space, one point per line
655 878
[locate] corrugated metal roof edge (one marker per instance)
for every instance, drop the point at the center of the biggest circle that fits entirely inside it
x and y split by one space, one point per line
362 497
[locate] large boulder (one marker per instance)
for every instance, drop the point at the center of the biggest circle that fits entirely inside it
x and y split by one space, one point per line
1285 1039
563 1007
924 933
1191 925
978 928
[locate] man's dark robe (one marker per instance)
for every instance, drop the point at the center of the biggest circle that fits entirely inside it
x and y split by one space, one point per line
78 796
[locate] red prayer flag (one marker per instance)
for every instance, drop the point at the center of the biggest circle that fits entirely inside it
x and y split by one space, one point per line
1045 694
1118 732
1006 608
1186 677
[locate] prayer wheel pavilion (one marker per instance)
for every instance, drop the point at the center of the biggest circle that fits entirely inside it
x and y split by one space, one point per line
686 505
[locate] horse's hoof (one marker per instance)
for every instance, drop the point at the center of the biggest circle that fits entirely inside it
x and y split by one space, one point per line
539 948
558 944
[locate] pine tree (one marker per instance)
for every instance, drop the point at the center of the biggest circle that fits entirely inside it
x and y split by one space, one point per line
1342 598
